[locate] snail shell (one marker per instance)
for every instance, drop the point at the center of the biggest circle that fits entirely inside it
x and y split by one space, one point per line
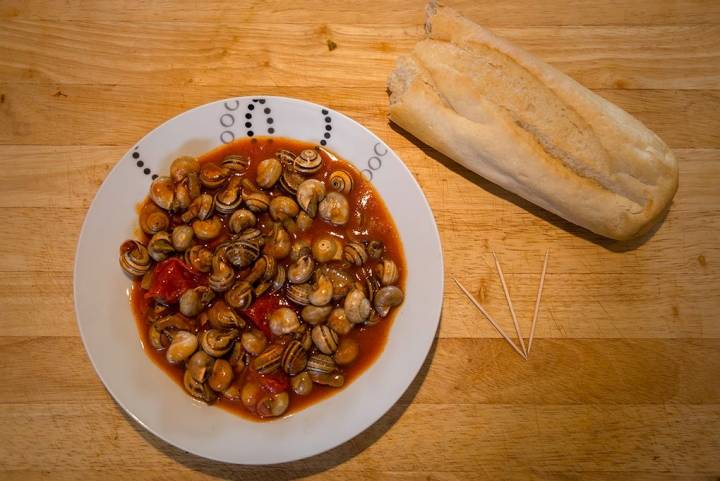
153 219
162 192
229 199
321 364
257 202
299 293
183 345
193 301
236 163
355 253
240 220
269 360
334 208
160 246
283 207
357 306
134 258
182 166
212 175
268 172
386 272
199 365
222 316
325 339
283 321
218 342
294 358
182 237
301 270
242 253
199 258
240 295
315 315
341 181
387 298
222 276
308 162
221 376
309 194
200 208
198 390
207 229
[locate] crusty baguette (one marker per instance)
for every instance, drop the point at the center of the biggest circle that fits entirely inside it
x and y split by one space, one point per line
517 121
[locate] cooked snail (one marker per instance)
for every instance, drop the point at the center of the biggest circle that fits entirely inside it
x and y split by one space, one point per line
213 175
162 192
334 208
308 162
283 321
160 246
240 220
181 166
183 345
387 297
282 208
207 229
182 237
193 301
134 258
268 172
309 194
218 342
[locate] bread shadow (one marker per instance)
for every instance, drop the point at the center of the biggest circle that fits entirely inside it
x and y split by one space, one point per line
296 469
539 212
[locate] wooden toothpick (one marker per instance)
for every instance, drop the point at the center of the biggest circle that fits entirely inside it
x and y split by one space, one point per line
489 318
537 301
509 303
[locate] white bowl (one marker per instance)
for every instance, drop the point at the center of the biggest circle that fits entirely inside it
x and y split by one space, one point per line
146 392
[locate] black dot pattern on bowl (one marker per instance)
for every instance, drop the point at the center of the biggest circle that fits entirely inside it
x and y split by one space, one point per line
141 163
327 119
267 111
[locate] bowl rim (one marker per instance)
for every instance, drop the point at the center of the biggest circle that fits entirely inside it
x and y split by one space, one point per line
428 340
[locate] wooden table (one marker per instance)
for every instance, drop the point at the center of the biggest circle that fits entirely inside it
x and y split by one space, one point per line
623 380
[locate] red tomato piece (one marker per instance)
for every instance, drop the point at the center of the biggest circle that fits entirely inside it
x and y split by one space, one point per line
171 278
260 310
274 383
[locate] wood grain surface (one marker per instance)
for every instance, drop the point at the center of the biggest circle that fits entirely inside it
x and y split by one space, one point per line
623 380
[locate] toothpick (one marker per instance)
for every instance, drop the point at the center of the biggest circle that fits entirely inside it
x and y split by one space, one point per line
509 303
489 318
537 301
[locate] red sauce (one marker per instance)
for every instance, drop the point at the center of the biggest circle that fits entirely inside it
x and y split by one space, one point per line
369 220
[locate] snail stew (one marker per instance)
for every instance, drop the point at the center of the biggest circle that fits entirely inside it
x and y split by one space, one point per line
262 294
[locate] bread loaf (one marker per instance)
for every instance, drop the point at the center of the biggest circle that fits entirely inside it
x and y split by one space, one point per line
524 125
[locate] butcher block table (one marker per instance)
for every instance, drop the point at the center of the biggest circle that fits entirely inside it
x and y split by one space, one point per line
623 380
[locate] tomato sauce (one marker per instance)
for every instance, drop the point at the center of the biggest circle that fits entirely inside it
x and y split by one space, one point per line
369 220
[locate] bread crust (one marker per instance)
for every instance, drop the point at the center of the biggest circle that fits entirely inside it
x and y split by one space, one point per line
524 125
